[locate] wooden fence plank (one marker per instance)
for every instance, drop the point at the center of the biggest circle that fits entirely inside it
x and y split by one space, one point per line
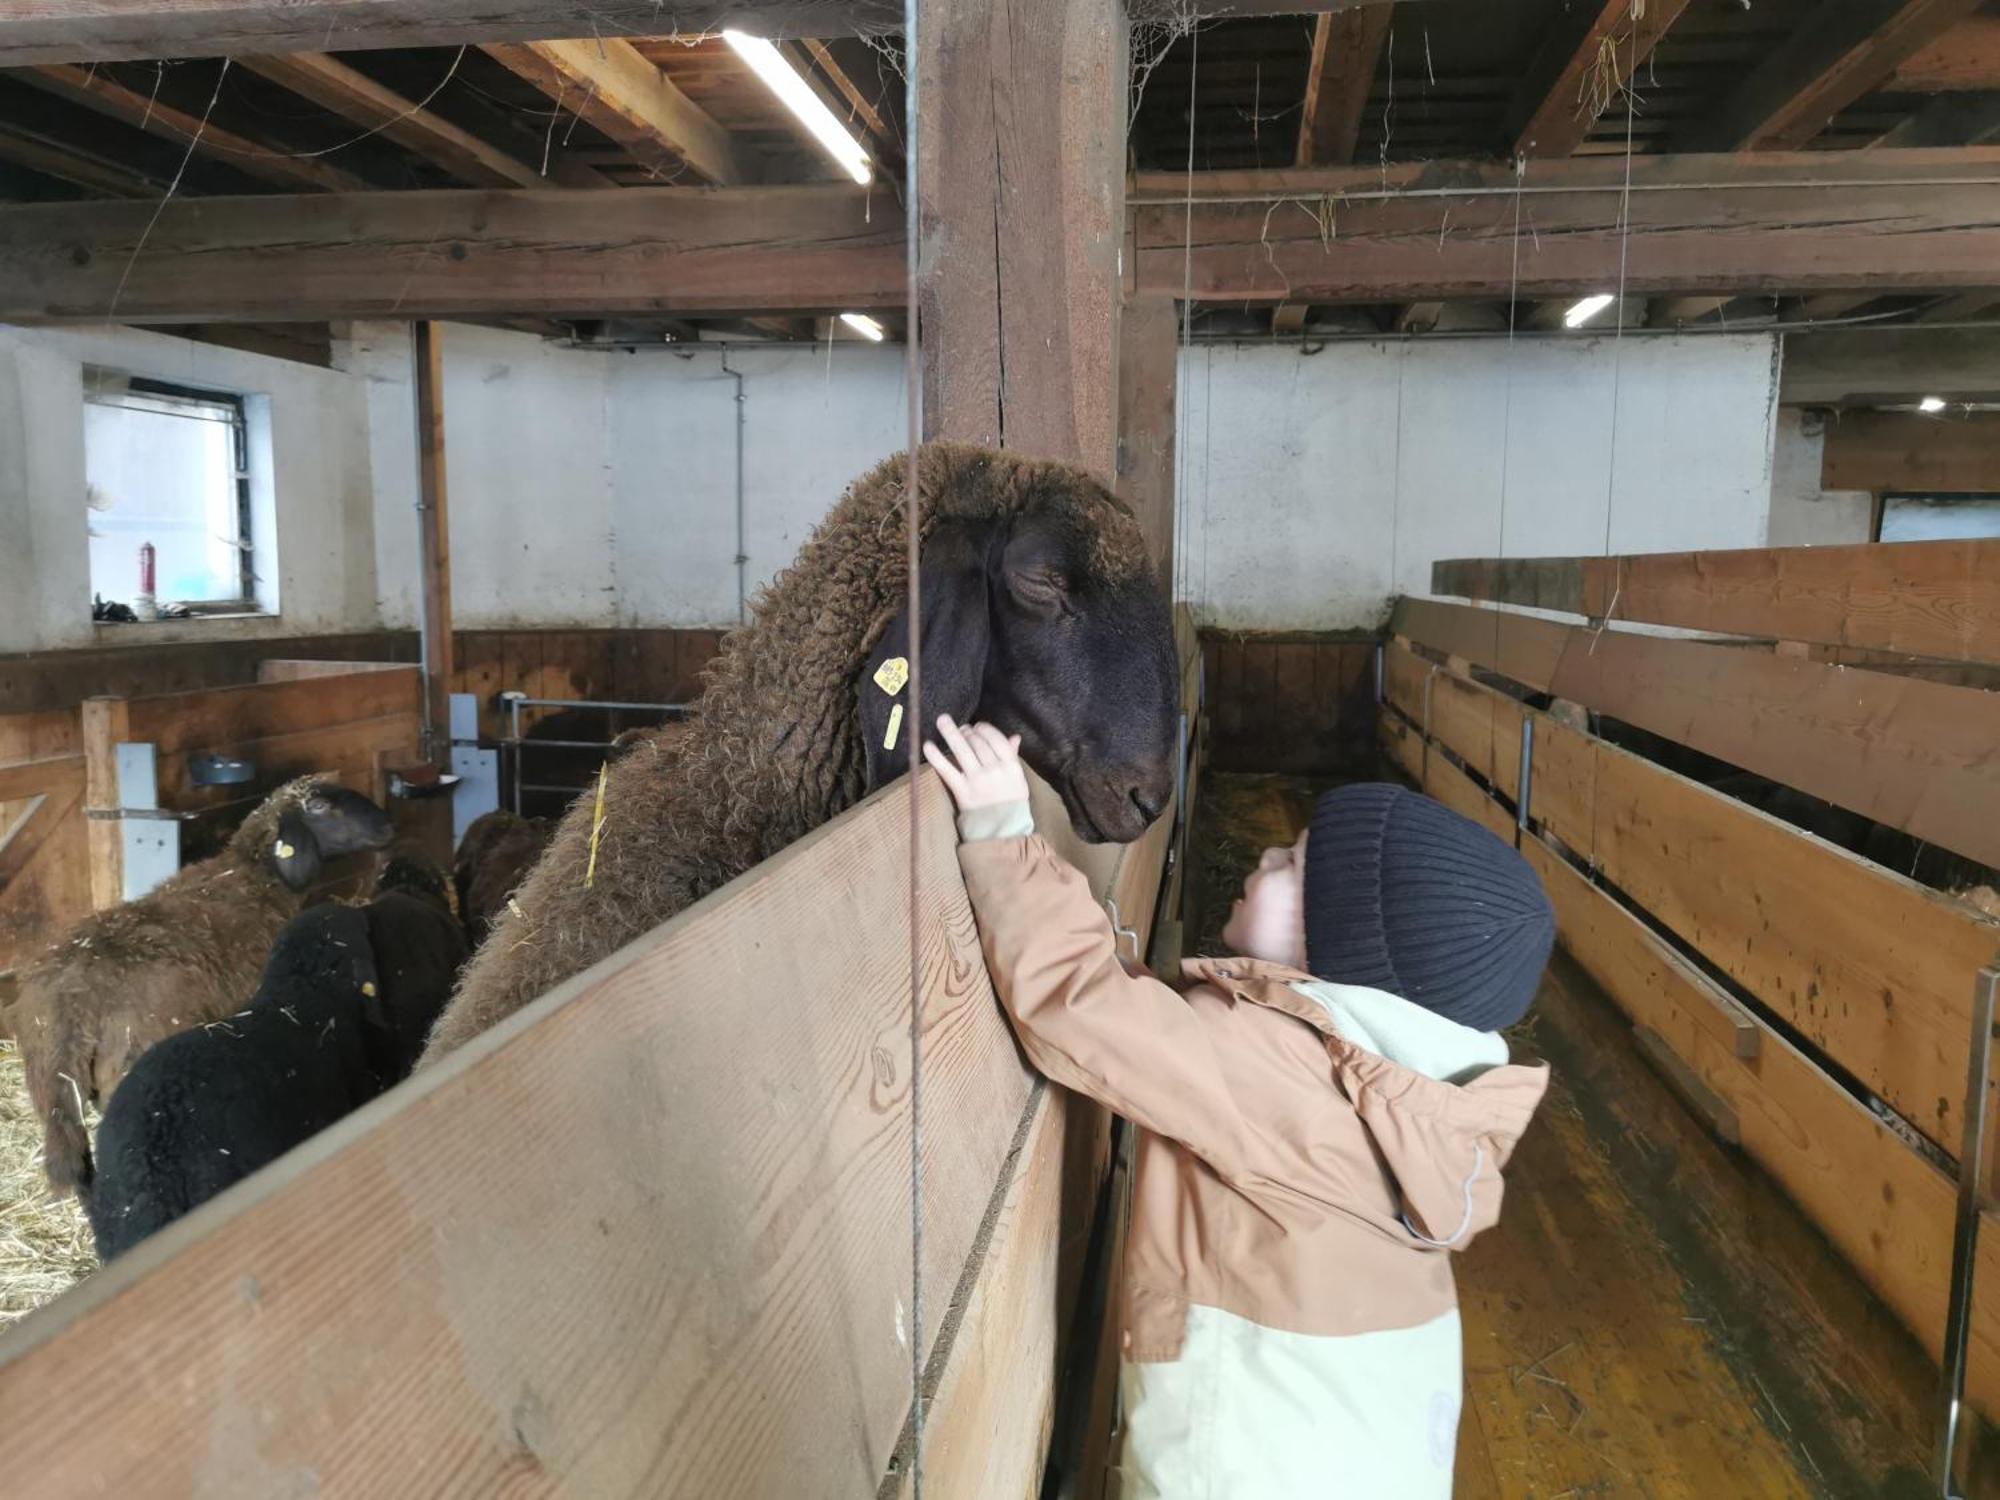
1888 1210
1939 599
1870 967
649 1236
44 854
227 718
1912 754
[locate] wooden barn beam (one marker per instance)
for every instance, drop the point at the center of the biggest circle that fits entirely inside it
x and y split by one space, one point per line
1346 52
1022 197
1575 77
1917 220
45 31
1149 337
1965 57
1868 366
453 254
360 100
1673 312
101 92
1902 450
615 89
433 540
72 164
1843 50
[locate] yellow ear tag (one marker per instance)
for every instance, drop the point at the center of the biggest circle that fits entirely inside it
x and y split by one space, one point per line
891 676
368 987
285 850
895 727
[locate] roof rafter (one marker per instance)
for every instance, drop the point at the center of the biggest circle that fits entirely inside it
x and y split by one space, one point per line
614 88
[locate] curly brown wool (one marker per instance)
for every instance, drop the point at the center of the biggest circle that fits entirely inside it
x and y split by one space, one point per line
184 954
776 749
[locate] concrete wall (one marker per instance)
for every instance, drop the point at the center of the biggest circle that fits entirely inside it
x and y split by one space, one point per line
1318 485
311 424
597 489
1803 514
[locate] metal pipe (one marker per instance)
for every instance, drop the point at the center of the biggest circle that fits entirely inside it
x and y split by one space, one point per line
742 546
1965 1236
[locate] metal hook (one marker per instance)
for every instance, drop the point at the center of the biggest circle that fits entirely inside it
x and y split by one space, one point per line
1119 929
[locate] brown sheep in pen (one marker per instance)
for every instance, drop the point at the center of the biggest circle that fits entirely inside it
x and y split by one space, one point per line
1041 612
494 857
184 954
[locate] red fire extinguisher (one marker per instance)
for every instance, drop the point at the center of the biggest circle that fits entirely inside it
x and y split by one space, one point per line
146 556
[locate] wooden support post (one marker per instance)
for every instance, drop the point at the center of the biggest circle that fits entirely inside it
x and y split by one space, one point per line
106 724
1148 361
434 540
1022 190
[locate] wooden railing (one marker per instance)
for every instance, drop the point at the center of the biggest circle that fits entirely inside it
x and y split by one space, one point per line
650 1236
1774 975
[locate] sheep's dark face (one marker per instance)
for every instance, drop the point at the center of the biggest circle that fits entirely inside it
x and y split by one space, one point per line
1021 628
328 821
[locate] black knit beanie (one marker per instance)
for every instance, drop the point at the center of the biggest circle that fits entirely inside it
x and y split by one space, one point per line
1403 894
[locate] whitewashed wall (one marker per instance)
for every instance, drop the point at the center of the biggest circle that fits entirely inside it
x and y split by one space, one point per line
598 489
317 498
1315 486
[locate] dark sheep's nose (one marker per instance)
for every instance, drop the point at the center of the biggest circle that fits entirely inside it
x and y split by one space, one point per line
1150 804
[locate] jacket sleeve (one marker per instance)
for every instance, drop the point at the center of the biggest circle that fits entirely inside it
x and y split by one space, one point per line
1130 1043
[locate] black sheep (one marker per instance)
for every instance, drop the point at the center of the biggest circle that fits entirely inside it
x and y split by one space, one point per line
347 998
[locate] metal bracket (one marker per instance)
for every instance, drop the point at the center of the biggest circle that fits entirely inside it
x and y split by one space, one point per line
149 840
1381 673
1965 1236
1524 793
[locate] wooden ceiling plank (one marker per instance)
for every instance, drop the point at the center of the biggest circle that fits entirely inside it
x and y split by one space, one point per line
1967 119
102 93
1346 54
612 87
1842 51
355 97
1288 319
1572 83
1675 312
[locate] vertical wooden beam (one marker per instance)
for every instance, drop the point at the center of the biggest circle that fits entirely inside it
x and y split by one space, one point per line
1022 187
107 723
1346 51
1148 360
434 540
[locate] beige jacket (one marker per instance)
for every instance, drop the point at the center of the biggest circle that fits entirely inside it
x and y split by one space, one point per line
1290 1322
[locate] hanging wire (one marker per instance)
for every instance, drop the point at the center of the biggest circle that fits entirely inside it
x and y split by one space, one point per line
194 141
1618 330
913 381
1183 478
1507 380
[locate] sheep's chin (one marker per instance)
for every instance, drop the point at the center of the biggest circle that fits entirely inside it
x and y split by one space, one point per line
1087 827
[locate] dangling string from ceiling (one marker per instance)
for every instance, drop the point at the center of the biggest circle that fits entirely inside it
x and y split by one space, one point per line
1183 482
912 503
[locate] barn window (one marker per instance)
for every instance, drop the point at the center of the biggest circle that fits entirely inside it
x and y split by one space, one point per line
169 467
1934 518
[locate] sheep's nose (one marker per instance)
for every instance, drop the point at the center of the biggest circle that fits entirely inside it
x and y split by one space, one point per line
1150 804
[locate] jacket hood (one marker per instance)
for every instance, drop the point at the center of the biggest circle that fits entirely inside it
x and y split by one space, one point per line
1444 1144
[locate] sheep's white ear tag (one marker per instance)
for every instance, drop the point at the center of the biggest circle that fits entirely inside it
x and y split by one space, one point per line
368 987
890 677
895 728
285 850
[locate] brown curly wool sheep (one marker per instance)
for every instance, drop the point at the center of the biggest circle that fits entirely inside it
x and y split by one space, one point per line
1045 606
188 952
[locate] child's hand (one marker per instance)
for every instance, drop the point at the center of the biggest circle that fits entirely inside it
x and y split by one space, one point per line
983 768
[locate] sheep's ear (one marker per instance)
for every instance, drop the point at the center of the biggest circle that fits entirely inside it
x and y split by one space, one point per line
296 854
957 627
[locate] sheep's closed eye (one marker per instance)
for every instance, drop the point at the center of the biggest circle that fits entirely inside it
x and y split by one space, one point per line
1040 588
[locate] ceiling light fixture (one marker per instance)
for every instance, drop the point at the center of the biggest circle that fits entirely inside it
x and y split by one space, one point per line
864 325
1582 312
769 64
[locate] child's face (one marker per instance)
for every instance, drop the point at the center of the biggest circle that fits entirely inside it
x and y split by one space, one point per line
1269 920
